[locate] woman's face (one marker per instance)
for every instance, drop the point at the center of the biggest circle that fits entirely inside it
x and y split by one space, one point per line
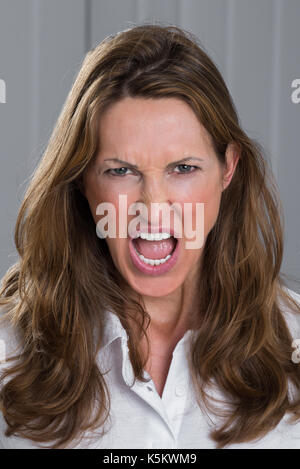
155 135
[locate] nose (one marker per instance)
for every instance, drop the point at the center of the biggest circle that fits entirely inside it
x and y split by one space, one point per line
154 195
154 189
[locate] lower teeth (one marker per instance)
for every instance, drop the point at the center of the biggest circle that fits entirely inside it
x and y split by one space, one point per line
152 261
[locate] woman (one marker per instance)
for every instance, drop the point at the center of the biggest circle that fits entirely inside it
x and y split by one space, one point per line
135 342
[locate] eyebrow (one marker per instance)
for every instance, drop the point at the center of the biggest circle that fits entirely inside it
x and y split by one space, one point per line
173 163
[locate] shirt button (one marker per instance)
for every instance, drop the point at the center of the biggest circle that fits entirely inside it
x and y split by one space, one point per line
179 390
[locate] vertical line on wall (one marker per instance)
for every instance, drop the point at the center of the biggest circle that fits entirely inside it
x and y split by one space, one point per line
179 14
275 87
87 25
229 64
177 11
35 74
135 8
140 13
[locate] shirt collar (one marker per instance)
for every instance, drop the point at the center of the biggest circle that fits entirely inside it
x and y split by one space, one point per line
112 328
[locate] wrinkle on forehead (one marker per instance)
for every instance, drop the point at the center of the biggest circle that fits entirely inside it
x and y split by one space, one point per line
152 131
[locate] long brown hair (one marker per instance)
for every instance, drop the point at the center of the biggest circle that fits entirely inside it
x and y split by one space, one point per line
55 295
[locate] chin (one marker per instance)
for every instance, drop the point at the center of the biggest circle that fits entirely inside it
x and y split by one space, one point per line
154 287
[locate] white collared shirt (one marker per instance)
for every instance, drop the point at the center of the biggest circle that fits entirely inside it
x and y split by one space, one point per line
140 418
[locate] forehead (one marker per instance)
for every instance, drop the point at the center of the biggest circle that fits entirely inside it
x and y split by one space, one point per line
140 127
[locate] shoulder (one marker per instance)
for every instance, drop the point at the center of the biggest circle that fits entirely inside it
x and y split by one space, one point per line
10 341
10 345
292 319
9 334
291 316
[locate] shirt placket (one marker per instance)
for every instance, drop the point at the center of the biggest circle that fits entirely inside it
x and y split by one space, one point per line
176 388
147 392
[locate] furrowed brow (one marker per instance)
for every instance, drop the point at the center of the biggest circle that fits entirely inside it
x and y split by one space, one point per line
183 160
116 160
173 163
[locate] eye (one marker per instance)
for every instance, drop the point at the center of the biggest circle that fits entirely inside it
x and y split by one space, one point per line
186 168
117 173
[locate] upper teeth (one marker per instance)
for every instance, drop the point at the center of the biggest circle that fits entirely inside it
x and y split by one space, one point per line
154 236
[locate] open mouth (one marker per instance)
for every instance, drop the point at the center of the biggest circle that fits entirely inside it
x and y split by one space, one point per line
156 251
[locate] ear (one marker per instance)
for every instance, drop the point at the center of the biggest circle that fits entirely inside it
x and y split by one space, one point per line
232 156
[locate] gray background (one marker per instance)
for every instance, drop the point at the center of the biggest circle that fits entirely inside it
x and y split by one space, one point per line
255 44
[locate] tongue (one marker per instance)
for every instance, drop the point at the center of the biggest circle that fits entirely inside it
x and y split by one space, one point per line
154 249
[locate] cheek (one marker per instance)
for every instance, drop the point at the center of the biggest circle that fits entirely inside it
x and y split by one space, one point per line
211 198
98 193
117 249
207 192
